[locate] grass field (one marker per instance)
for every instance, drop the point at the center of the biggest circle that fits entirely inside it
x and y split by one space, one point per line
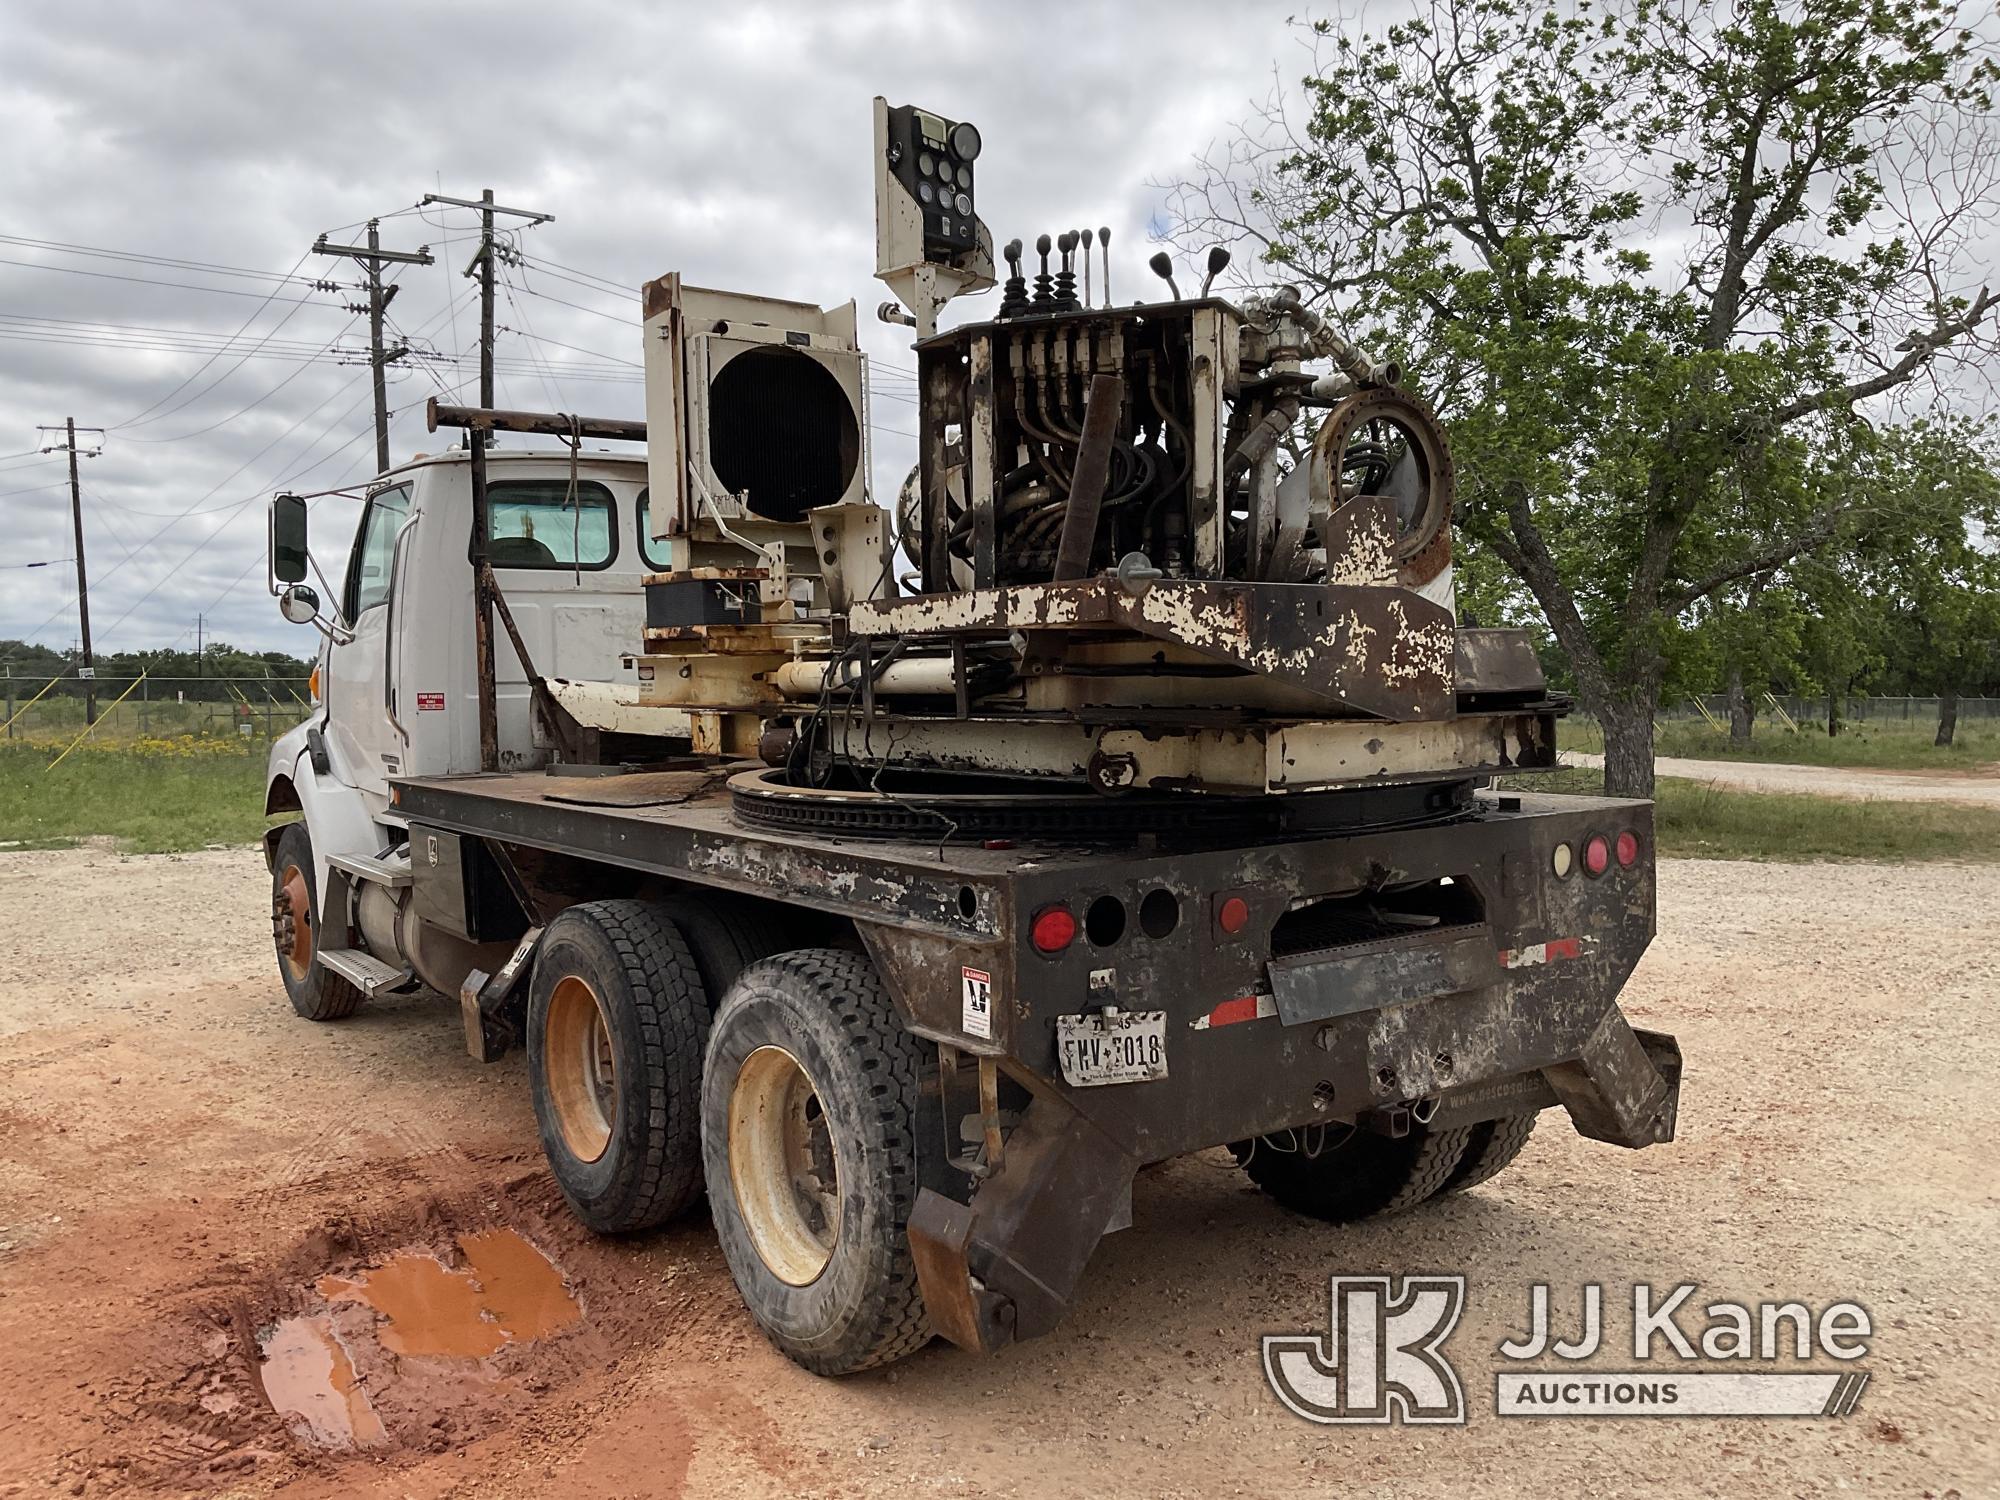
162 796
1892 744
1694 820
152 798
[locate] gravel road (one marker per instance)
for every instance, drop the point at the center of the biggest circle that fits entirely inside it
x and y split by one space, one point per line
182 1161
1973 788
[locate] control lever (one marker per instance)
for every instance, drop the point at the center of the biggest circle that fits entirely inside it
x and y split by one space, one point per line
1065 287
1083 238
1043 299
1218 258
1014 296
1163 267
1104 244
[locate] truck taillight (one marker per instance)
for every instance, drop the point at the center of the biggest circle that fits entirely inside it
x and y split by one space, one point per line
1053 929
1596 854
1627 849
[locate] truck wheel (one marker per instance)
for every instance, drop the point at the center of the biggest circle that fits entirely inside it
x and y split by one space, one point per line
726 934
616 1021
1492 1149
316 993
808 1130
1349 1173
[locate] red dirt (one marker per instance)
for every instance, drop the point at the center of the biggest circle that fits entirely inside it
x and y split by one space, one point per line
184 1164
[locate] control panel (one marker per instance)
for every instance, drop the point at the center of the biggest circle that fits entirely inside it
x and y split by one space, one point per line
932 157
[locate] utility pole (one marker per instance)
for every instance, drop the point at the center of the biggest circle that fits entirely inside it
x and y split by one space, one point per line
197 647
89 670
482 575
482 265
373 257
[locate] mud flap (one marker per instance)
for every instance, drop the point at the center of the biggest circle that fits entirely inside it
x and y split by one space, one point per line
1613 1090
1006 1267
482 1002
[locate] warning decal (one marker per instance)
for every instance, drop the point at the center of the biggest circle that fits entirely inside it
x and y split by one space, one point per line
976 1012
430 703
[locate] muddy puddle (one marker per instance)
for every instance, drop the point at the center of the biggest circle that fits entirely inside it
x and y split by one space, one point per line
317 1371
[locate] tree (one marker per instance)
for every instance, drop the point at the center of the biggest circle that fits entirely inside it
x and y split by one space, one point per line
1939 586
1662 267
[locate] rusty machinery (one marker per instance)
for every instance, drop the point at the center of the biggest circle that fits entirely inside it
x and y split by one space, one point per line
1149 548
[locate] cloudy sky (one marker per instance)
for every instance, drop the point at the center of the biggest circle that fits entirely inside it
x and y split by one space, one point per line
729 142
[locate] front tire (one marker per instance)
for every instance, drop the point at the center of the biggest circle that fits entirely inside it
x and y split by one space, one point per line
316 993
616 1022
1343 1174
808 1130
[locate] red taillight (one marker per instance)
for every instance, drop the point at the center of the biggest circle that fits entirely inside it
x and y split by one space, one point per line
1627 849
1233 915
1596 854
1053 929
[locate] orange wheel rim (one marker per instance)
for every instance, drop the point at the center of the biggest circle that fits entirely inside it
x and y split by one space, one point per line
581 1071
293 922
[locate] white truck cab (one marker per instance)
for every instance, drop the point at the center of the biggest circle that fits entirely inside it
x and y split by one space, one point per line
397 686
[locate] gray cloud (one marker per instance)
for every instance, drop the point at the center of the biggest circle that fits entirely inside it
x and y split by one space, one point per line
729 143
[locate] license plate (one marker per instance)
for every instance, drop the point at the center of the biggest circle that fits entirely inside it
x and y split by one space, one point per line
1129 1047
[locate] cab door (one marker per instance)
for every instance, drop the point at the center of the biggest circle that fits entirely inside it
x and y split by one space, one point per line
362 721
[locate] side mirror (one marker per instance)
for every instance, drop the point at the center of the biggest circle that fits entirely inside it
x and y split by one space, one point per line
299 603
288 542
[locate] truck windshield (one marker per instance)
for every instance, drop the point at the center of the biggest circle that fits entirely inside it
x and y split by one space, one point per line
535 524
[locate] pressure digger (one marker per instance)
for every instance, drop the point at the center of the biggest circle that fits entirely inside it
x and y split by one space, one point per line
907 878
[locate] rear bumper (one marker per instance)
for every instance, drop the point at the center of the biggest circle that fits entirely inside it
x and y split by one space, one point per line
1508 1009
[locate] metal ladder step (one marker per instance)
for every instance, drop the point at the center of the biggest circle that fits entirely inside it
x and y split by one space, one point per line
393 872
363 970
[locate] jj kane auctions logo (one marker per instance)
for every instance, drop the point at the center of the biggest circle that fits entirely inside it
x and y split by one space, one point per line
1382 1358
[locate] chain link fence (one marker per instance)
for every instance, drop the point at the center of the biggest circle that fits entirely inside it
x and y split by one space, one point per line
131 709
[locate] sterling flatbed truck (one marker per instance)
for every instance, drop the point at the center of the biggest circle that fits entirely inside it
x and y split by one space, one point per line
906 912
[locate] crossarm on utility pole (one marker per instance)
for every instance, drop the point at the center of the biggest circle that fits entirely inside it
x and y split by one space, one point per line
372 258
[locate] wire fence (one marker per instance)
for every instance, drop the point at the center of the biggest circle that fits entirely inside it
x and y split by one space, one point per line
131 708
1877 710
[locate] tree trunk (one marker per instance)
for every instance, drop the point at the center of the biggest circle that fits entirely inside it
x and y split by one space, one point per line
1739 708
1628 750
1947 719
1832 713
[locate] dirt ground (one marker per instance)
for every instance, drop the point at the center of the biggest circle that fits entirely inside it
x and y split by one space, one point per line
182 1163
1973 787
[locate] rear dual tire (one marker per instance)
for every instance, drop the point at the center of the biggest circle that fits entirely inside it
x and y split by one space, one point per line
1343 1174
808 1126
618 1016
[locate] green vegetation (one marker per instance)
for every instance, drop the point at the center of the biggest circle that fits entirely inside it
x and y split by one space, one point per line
166 796
1693 820
1893 745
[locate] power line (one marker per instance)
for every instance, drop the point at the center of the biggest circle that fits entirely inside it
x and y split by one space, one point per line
188 286
579 307
171 262
250 405
573 348
153 413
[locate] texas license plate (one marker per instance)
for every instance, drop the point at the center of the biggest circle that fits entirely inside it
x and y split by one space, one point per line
1128 1047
